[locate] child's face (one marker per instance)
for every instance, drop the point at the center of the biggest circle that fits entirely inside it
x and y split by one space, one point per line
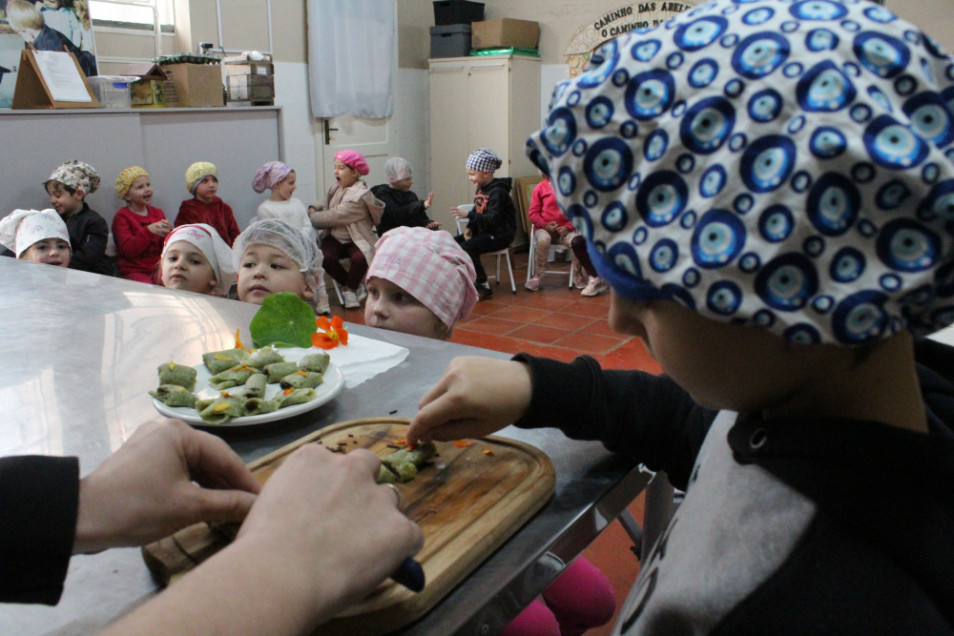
206 189
404 185
721 365
51 4
52 251
185 267
140 192
62 200
266 270
345 175
479 178
390 307
285 188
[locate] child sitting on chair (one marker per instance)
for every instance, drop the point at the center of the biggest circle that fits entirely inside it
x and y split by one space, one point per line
347 222
196 259
202 182
493 221
422 282
766 186
39 236
138 228
68 187
550 225
401 205
272 256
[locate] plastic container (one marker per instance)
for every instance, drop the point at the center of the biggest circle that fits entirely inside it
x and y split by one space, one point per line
452 40
448 12
113 91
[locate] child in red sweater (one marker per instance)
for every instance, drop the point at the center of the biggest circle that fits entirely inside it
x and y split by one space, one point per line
138 228
202 182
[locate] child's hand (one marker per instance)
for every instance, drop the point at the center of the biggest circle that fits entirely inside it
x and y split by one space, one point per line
475 397
433 225
160 228
561 230
552 227
429 200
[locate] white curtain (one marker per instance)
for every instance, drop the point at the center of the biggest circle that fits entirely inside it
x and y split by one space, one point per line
350 51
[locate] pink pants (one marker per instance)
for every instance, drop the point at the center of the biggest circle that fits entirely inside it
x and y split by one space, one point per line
579 599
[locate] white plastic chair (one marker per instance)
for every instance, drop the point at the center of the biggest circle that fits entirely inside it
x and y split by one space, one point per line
504 253
532 263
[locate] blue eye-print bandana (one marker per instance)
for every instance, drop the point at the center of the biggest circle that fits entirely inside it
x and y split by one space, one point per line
775 163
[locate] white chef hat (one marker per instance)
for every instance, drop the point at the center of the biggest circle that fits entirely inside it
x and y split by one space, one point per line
22 228
216 251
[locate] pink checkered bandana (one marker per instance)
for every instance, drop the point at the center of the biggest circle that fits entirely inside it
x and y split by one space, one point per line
483 160
430 266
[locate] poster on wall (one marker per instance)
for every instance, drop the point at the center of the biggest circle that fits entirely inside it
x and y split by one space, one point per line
49 25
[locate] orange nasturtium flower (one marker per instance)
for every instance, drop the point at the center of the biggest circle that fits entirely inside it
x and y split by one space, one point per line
331 335
238 341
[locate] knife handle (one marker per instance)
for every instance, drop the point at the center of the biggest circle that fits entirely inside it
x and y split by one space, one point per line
410 574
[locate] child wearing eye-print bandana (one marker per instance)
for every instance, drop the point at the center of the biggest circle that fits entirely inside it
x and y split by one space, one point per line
768 188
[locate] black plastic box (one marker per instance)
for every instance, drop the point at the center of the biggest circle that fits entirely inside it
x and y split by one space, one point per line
452 40
448 12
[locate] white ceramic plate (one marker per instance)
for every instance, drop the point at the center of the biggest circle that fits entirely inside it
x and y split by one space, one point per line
325 392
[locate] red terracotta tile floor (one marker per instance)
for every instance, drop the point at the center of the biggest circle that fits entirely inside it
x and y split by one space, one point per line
559 323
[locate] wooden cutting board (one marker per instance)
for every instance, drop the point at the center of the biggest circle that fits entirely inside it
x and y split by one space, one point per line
468 502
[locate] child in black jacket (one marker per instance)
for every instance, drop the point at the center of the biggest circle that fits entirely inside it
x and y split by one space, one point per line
492 221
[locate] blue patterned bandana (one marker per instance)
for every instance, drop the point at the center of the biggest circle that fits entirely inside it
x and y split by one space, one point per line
778 163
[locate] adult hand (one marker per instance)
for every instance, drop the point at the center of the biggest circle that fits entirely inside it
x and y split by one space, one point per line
323 520
475 397
145 490
321 535
429 200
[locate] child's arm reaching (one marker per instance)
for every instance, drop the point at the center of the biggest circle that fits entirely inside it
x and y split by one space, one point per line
354 206
648 418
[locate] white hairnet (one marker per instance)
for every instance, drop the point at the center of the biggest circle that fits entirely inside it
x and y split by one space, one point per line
397 169
289 240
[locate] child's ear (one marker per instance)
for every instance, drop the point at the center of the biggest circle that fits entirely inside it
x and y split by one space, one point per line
308 294
212 283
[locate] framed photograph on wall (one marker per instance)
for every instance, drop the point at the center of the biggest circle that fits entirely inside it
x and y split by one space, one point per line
49 25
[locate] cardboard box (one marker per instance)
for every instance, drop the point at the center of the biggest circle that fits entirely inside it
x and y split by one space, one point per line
505 32
149 91
243 66
193 85
452 40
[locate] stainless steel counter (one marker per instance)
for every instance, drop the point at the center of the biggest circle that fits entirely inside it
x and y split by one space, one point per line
81 350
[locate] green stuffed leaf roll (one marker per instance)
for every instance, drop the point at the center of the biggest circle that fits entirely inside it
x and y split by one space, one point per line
255 385
297 396
316 362
264 356
302 380
180 375
218 361
222 410
235 376
258 406
174 395
278 370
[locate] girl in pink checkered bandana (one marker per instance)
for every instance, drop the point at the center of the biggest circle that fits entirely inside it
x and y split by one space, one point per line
420 282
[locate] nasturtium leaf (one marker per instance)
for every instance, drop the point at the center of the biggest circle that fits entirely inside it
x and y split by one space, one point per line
284 319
